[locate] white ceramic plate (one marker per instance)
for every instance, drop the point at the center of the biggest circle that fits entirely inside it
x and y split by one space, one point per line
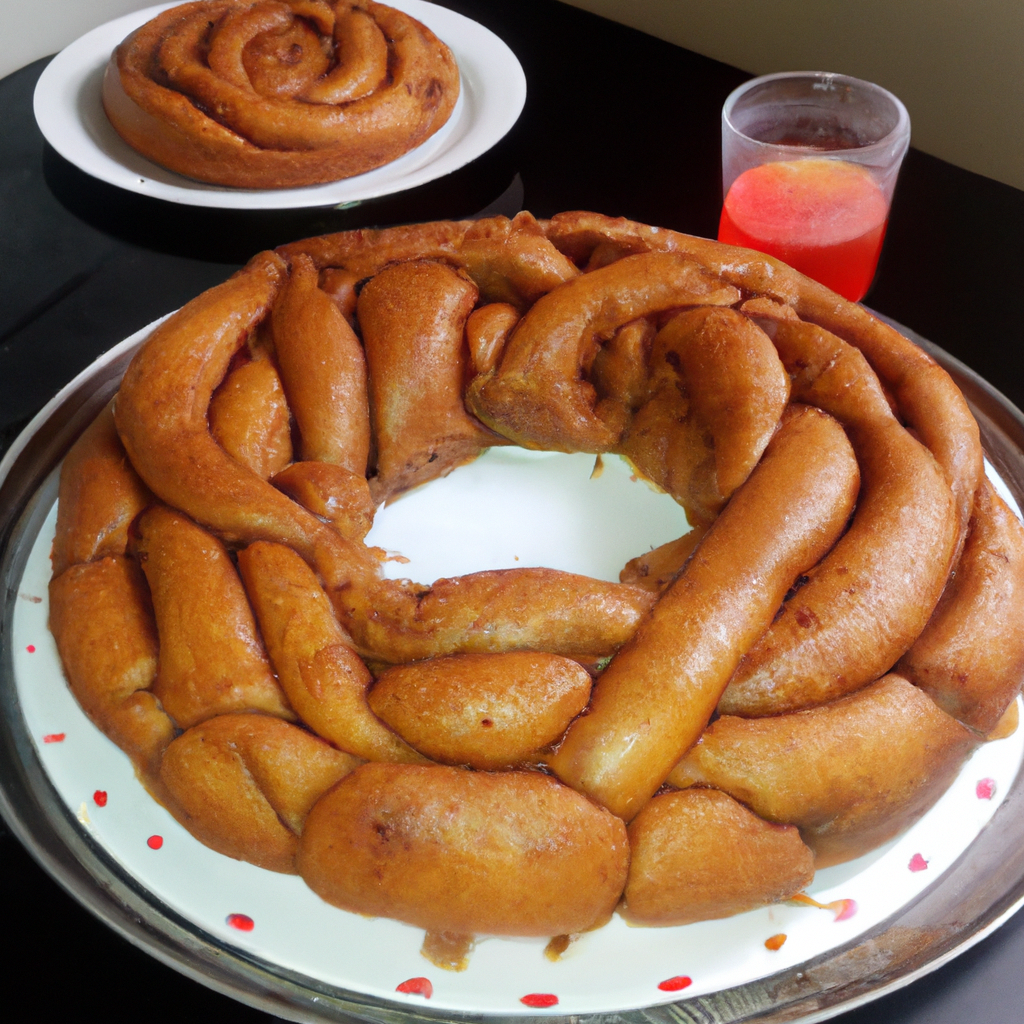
69 111
611 970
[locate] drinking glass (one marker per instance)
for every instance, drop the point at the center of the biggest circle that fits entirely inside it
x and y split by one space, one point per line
809 164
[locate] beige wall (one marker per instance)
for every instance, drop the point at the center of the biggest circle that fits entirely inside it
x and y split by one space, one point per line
30 29
958 65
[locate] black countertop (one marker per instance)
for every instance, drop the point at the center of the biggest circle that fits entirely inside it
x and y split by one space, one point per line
615 121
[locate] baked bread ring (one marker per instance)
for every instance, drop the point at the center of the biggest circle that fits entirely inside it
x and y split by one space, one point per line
833 470
279 93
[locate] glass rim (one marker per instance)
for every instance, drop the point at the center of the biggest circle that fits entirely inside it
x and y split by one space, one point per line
900 129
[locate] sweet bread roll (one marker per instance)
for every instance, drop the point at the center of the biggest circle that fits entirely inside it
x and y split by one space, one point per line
250 418
968 658
488 711
100 496
413 316
275 94
716 389
209 664
510 853
101 617
244 785
324 373
851 774
700 854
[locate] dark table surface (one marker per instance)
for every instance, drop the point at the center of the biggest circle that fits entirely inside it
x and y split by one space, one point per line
615 121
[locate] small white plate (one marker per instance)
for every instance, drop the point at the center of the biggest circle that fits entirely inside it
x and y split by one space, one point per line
69 112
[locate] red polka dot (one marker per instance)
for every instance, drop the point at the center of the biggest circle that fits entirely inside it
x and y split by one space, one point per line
31 648
539 1000
54 737
416 987
680 981
917 863
155 842
986 789
845 909
99 798
243 922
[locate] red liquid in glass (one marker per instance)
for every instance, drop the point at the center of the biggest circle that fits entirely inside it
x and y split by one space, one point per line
825 218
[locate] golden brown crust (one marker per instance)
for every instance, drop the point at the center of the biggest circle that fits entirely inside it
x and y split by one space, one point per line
366 251
330 492
490 612
487 330
514 264
322 675
969 657
210 664
851 774
487 711
715 392
323 370
244 785
413 318
99 496
101 618
699 854
1008 723
656 569
242 94
513 853
657 695
250 419
620 369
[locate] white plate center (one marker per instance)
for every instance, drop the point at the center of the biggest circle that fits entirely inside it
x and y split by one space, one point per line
514 508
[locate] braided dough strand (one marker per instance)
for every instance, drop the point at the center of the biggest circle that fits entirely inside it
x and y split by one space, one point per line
927 396
868 600
657 695
161 415
536 397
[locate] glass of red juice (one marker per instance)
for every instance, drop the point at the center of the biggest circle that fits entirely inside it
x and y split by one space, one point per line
809 164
